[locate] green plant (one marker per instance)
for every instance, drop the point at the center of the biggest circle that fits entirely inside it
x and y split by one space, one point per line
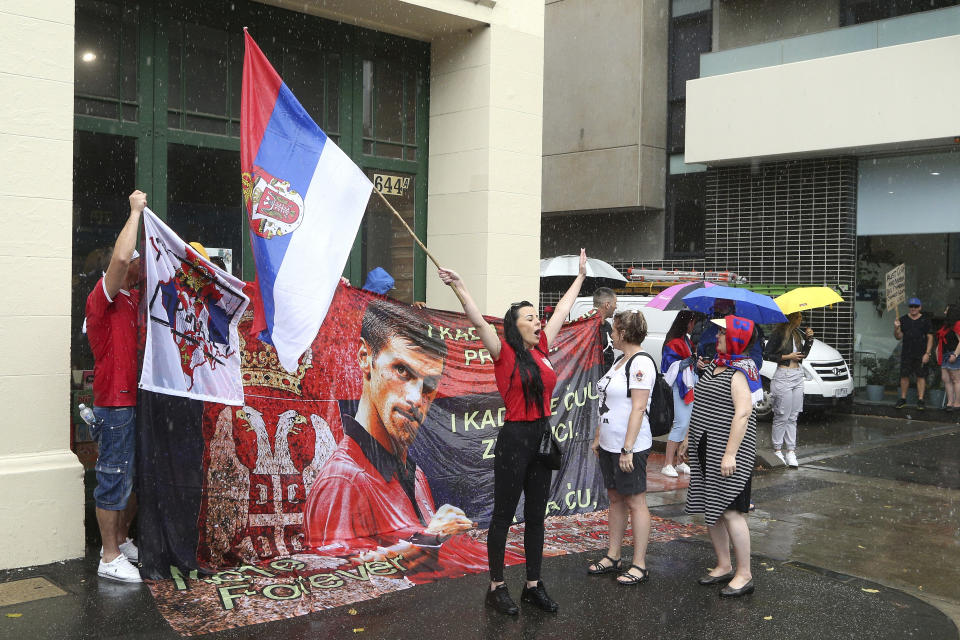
881 372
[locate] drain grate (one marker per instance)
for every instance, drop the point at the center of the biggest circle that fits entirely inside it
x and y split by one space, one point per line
27 590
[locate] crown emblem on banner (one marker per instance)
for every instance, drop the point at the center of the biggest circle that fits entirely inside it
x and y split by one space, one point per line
263 369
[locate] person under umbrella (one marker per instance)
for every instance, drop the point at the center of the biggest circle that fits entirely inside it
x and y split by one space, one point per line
723 440
678 363
787 347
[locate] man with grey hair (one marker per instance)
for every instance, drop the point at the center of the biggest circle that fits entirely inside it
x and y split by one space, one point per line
605 305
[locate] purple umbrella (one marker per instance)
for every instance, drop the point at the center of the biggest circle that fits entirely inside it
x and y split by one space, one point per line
671 298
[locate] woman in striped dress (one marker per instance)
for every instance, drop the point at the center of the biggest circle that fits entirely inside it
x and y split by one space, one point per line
723 445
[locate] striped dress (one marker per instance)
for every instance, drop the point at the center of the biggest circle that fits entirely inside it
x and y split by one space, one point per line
710 493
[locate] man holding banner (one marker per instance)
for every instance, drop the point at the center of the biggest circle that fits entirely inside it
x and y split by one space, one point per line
111 321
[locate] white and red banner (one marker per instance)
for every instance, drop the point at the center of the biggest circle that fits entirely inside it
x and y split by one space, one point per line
193 308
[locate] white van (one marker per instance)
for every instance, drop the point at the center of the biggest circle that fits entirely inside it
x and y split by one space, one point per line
826 375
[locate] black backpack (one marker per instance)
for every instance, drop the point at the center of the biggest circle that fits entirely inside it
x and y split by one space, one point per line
660 413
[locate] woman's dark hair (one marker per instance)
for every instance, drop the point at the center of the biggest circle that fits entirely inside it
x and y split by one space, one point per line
953 314
679 326
530 380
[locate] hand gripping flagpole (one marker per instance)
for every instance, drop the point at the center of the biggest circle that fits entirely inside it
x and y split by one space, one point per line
416 239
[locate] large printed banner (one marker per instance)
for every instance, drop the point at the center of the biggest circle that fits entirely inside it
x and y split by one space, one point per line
367 470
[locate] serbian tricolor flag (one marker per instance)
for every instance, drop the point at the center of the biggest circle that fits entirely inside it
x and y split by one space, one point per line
304 198
678 368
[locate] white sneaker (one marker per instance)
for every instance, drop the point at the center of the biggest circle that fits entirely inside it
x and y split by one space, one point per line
128 549
669 471
779 455
683 467
119 569
791 460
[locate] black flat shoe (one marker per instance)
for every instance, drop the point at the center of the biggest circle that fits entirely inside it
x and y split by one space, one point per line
500 600
708 579
538 597
728 592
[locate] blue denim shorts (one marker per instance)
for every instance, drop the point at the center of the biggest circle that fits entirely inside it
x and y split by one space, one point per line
115 433
681 417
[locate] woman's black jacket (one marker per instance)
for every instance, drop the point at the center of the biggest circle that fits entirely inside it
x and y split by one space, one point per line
774 353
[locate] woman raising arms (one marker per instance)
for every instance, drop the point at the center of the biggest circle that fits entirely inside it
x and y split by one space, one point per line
525 380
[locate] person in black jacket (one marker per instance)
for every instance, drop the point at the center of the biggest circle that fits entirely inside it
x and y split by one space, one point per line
787 347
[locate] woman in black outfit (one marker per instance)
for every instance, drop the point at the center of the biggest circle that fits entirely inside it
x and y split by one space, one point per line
525 379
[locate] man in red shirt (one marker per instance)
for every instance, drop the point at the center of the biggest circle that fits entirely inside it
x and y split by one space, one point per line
369 494
111 321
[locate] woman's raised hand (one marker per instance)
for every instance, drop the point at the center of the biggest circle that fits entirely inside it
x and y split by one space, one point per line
448 276
583 262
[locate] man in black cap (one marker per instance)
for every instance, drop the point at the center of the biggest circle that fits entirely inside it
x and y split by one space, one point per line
916 331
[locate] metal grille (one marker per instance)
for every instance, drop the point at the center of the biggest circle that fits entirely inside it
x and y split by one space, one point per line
789 223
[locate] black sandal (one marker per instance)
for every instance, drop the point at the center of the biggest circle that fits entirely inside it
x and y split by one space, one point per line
600 570
632 579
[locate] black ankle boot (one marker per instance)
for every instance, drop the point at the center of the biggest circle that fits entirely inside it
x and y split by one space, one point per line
537 596
500 600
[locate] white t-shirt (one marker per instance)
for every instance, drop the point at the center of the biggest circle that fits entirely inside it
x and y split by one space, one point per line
615 405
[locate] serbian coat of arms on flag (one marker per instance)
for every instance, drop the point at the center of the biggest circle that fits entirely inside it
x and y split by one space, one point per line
193 308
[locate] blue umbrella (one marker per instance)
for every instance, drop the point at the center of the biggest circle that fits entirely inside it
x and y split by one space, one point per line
753 306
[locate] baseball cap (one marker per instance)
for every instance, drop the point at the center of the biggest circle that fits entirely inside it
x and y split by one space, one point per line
720 322
914 302
378 281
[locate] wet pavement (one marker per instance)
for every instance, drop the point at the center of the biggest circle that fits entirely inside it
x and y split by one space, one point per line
932 461
851 545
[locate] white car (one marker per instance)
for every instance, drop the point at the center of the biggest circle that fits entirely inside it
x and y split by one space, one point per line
826 375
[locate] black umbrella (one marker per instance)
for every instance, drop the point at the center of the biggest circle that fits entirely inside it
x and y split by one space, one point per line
671 298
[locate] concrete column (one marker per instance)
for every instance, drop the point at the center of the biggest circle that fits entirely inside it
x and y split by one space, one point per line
41 480
486 121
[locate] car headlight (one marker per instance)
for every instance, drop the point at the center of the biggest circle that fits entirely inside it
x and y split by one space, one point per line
806 374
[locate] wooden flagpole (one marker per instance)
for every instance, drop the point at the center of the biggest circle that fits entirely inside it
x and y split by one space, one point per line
415 238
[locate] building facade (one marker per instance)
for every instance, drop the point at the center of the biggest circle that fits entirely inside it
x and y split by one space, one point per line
827 132
809 143
438 101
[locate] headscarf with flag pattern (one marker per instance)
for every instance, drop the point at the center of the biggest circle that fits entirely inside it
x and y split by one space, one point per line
739 332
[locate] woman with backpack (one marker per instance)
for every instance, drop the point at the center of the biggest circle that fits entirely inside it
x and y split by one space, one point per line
525 379
622 444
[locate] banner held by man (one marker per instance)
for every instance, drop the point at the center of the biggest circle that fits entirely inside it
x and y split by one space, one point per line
193 309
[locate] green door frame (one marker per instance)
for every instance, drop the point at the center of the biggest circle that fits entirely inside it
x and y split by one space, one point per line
353 44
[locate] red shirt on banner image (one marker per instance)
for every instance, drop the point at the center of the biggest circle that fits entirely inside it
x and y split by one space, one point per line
510 387
364 495
112 333
366 498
